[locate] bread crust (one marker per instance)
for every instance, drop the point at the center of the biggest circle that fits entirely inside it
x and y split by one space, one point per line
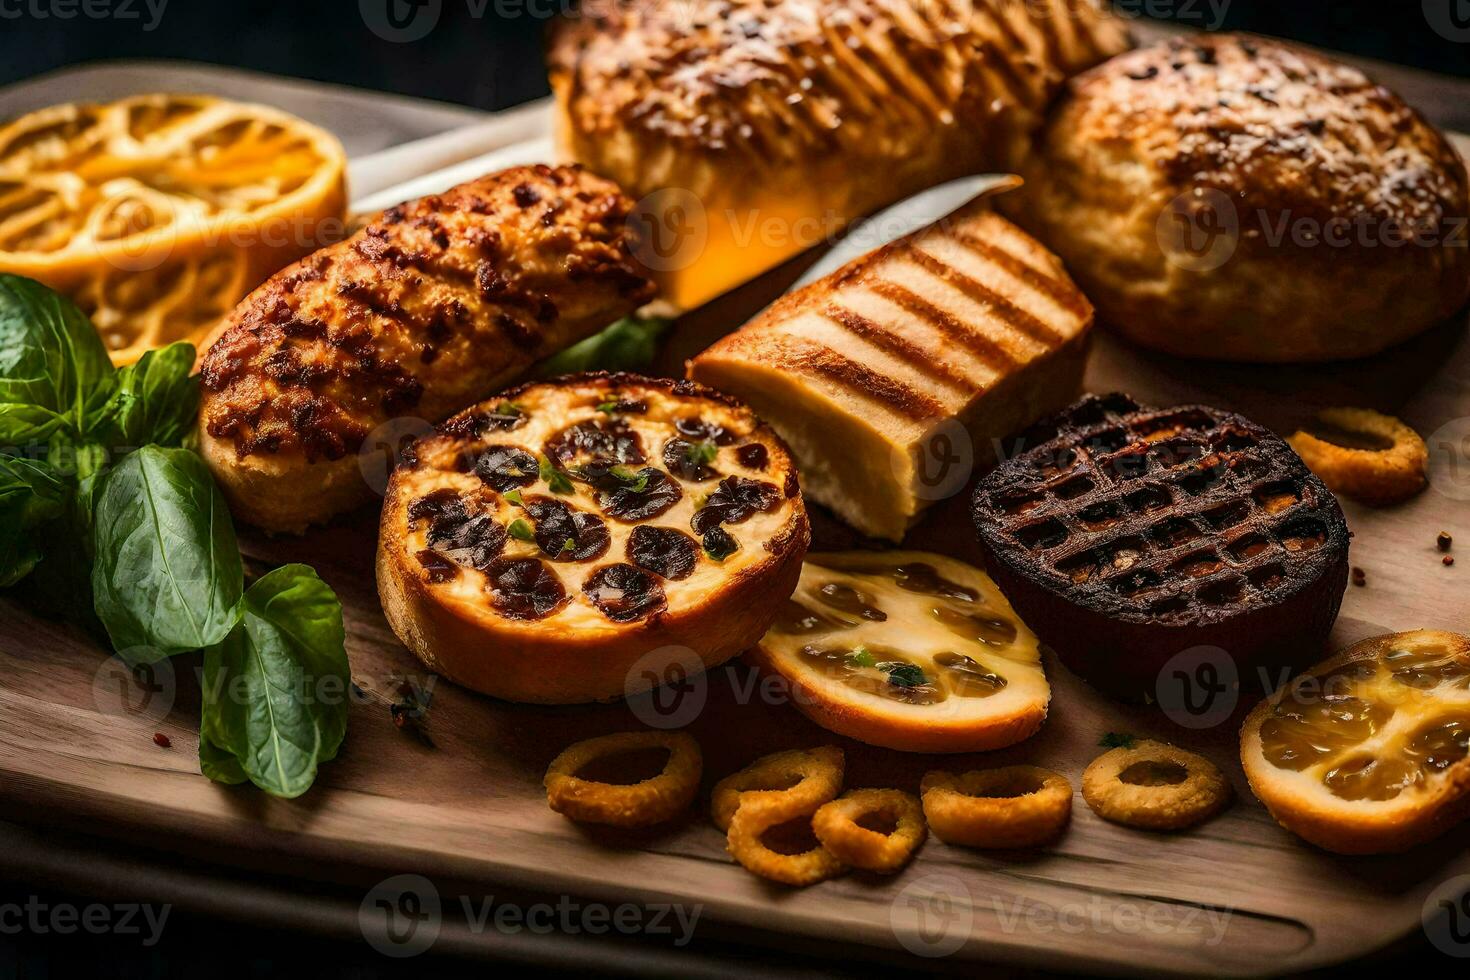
431 305
550 661
786 119
1239 198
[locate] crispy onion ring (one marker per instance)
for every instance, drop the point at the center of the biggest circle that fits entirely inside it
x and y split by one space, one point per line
640 804
1374 476
812 775
836 826
1017 806
760 811
1154 786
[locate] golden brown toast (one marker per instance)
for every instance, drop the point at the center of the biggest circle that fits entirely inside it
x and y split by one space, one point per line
879 373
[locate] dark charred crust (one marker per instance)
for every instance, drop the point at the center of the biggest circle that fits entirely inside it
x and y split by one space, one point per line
1126 535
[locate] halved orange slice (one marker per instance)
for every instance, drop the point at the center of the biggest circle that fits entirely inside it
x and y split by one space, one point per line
158 213
1367 752
908 650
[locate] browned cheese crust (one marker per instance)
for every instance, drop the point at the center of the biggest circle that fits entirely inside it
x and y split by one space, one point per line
433 304
1338 211
674 524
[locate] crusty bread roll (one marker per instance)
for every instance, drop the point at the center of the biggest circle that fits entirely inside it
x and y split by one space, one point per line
672 525
892 376
1237 198
771 123
432 306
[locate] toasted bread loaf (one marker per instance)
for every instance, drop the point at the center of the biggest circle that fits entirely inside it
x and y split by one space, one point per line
784 119
541 545
435 304
870 373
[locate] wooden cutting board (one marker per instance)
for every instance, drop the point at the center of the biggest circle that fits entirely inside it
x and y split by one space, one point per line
1237 895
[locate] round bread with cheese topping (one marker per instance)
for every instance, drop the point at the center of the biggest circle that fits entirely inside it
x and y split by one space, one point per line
1236 198
539 546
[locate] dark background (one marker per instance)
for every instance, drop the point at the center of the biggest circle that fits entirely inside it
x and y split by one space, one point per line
493 61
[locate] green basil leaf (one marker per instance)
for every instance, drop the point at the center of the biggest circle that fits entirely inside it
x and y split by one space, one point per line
556 480
275 690
630 344
167 572
54 371
32 496
155 403
218 765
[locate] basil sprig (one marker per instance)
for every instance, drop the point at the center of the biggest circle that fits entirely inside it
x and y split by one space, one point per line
122 529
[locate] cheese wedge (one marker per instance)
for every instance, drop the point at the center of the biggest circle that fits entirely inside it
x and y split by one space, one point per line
892 378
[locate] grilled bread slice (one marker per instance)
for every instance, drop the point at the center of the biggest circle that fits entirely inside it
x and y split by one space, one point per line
430 307
893 376
541 546
777 121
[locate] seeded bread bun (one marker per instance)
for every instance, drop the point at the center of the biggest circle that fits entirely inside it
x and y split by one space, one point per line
1235 198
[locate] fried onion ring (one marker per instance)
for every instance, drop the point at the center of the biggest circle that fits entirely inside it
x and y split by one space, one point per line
812 775
1374 476
836 826
760 811
640 804
1154 786
1017 806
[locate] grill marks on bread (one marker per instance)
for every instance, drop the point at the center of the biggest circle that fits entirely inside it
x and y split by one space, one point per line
434 302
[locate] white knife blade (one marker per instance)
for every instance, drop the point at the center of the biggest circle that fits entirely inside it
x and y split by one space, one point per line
905 218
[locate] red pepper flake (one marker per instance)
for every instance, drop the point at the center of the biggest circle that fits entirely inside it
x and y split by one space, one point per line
1449 560
162 741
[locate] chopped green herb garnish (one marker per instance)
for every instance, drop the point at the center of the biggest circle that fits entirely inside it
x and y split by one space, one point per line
860 657
520 529
701 454
631 480
904 675
514 497
569 545
1113 740
509 408
609 407
555 478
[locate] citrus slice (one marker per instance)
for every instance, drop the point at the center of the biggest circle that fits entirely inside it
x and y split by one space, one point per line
908 650
1367 752
158 213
